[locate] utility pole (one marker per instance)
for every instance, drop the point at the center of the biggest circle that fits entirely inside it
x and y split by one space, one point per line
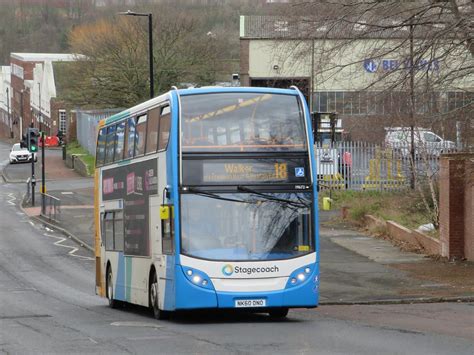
21 114
10 123
43 177
412 108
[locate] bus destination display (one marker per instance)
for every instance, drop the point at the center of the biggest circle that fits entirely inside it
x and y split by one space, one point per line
231 171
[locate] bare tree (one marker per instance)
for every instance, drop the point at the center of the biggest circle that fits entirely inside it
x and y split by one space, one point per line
418 59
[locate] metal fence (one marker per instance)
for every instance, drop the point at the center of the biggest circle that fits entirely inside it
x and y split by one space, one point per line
52 207
87 122
367 166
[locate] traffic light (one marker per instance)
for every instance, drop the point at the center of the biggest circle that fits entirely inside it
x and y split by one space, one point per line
33 136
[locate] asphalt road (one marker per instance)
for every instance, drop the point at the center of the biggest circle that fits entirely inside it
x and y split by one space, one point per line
48 305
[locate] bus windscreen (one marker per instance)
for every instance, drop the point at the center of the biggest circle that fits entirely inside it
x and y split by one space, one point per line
246 226
237 122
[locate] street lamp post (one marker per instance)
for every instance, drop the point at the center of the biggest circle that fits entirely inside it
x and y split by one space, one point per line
10 123
150 44
43 175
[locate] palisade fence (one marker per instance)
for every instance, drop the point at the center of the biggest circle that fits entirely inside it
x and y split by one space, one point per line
87 122
368 166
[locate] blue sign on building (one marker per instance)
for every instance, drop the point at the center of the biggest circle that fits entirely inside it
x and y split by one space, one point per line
370 65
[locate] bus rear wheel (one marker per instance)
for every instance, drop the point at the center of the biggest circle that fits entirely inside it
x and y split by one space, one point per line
153 294
278 313
113 303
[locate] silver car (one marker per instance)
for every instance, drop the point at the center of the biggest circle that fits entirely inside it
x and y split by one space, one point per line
21 155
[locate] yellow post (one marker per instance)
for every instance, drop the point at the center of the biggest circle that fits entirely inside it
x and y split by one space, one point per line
326 203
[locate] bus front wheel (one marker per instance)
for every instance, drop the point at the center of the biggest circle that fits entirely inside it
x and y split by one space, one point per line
153 292
278 313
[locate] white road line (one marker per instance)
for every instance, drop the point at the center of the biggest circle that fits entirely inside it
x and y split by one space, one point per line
31 223
73 249
12 198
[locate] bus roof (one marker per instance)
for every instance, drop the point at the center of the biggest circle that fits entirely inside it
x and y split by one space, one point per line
195 91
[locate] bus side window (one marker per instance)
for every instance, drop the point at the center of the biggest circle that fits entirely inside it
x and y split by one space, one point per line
118 230
109 230
165 126
130 139
120 141
100 154
167 231
140 136
110 145
152 131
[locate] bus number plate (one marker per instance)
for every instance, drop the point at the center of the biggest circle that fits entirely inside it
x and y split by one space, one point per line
250 303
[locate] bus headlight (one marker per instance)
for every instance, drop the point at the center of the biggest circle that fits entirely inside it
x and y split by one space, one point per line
300 275
198 278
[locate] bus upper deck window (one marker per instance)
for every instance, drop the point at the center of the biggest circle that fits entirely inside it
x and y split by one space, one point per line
100 155
120 141
130 138
140 137
165 126
152 130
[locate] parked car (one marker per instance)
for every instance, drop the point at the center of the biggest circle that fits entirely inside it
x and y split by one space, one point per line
426 142
21 155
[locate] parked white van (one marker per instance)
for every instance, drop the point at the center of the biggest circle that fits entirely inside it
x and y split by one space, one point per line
426 142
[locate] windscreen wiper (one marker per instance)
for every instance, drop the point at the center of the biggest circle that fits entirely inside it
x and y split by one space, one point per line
198 191
273 198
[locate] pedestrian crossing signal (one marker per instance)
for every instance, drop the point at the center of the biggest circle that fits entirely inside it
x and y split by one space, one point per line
33 136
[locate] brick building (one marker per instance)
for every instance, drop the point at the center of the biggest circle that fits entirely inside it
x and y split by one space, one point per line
5 105
33 93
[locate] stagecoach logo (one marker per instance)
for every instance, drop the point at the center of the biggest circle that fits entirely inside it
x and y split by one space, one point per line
227 270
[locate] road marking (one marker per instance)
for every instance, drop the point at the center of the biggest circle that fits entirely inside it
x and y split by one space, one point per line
67 193
136 324
73 249
31 223
93 341
12 198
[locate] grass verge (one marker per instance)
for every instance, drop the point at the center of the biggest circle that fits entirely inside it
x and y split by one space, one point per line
404 207
75 148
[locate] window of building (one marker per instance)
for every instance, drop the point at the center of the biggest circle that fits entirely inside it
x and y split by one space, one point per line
62 121
152 131
140 138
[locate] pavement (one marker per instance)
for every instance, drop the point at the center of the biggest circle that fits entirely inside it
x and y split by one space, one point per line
355 267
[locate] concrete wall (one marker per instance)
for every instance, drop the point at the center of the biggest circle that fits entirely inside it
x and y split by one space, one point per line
457 206
414 239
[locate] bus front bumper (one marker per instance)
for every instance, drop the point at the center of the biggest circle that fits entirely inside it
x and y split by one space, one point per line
192 295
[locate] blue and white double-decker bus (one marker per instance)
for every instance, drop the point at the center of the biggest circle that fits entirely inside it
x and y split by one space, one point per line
206 198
